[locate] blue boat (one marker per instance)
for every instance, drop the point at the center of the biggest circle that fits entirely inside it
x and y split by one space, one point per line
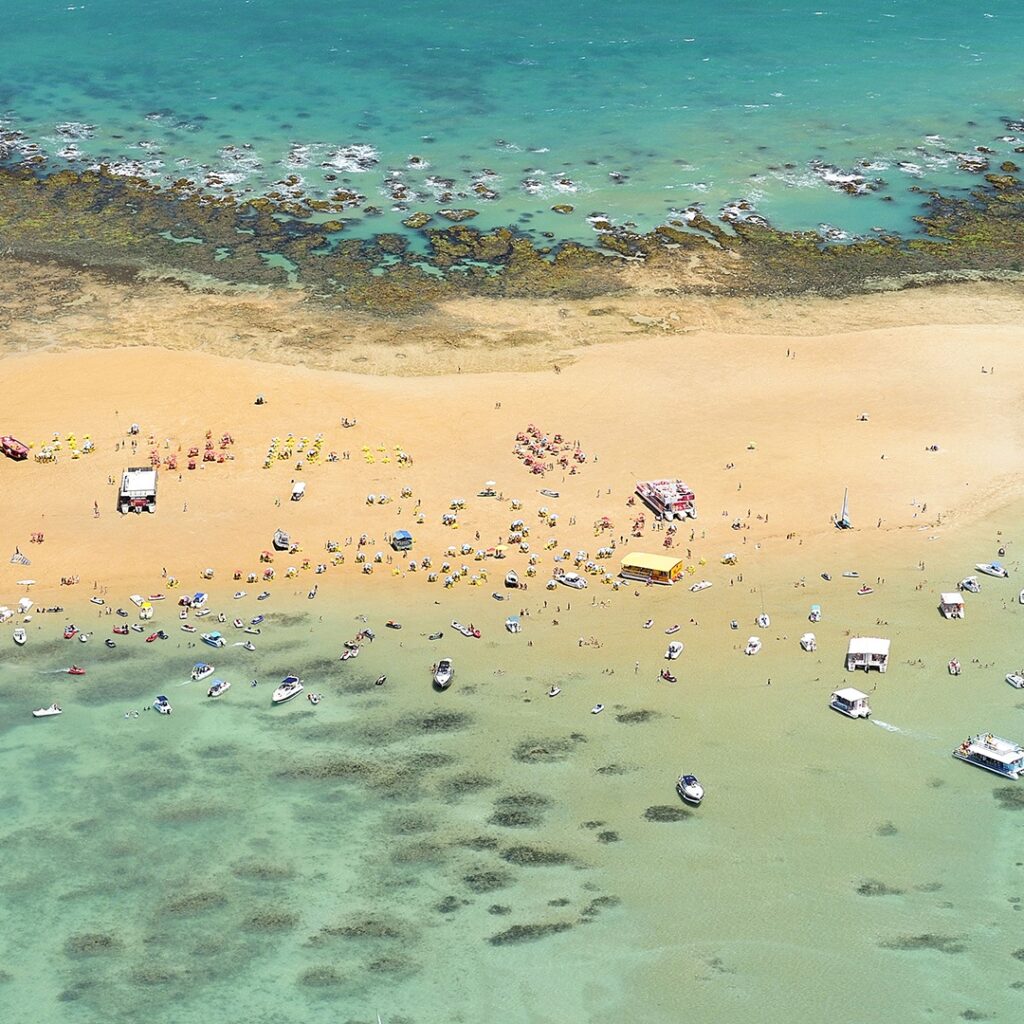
214 639
162 704
1002 757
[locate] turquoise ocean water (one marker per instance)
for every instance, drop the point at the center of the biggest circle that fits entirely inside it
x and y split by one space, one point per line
631 111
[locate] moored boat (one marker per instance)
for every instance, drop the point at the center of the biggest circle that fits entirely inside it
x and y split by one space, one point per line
218 688
992 569
850 702
19 636
444 673
690 789
668 677
674 650
69 632
863 590
214 639
162 705
763 620
554 691
1003 757
700 585
120 630
970 584
1016 680
291 686
110 643
954 666
512 579
187 627
53 709
597 709
201 671
753 645
76 670
815 613
512 624
809 642
672 629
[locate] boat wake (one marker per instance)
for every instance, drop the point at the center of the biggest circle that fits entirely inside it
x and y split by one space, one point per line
888 727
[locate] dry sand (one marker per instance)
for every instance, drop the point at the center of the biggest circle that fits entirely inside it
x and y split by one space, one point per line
81 357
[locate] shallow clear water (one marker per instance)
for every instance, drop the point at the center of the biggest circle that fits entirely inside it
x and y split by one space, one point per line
237 861
696 103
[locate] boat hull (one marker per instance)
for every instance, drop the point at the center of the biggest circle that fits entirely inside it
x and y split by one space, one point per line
850 712
1013 774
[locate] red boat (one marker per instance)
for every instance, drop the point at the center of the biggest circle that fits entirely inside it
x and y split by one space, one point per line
69 632
76 671
152 637
667 676
13 448
121 630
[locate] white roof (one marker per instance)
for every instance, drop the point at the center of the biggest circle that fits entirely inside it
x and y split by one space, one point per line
299 487
996 749
850 695
953 598
868 645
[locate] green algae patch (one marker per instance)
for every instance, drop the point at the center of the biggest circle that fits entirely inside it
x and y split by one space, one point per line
520 933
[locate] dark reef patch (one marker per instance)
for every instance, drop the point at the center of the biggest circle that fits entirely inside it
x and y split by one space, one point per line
1010 798
532 856
638 717
528 933
928 941
667 812
872 887
85 944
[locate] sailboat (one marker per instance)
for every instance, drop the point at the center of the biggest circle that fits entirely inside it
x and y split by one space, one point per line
842 521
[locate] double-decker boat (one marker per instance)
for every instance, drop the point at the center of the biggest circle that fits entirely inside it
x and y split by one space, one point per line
1002 757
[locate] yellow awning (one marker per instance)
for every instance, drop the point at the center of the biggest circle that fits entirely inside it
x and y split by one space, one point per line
652 563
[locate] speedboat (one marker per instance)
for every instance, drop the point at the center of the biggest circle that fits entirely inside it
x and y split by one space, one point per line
667 676
690 789
469 630
122 612
187 627
239 594
291 686
648 623
763 621
84 637
252 630
53 709
391 624
815 613
314 698
863 590
221 617
970 584
753 645
238 624
214 639
597 709
572 579
349 652
436 636
201 671
851 574
380 680
19 636
809 642
162 704
263 595
183 614
1016 680
734 624
512 624
248 646
1003 757
69 632
674 650
850 702
218 688
954 666
152 638
992 569
444 673
1020 597
120 630
554 691
110 643
281 541
96 600
137 627
672 629
511 579
257 620
701 585
75 670
204 611
548 493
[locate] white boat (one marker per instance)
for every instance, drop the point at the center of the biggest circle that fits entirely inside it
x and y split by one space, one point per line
690 789
1003 757
809 642
512 579
753 645
183 614
850 702
187 627
992 569
201 671
513 625
248 646
136 599
252 630
137 628
84 637
1016 680
842 520
19 636
554 691
597 709
239 594
53 709
971 584
349 652
648 623
954 666
763 621
674 650
219 688
672 629
444 673
206 611
281 541
238 624
291 686
815 613
465 630
851 574
572 579
702 585
1020 597
97 600
214 639
162 705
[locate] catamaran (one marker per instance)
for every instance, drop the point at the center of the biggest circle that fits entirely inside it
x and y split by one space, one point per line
842 520
1003 757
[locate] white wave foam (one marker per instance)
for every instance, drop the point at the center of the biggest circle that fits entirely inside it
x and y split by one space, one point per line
353 159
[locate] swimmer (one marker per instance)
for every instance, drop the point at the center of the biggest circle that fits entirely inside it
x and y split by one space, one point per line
254 682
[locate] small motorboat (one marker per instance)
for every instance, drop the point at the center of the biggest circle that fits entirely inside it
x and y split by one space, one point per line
497 596
992 569
218 688
674 650
281 541
110 643
84 637
864 590
1020 597
314 698
763 621
391 624
460 628
257 620
19 636
672 629
753 645
444 673
554 691
183 614
667 676
809 642
221 617
954 666
700 585
205 611
253 630
238 624
691 791
137 627
597 709
53 709
291 686
187 627
1016 680
161 635
70 632
122 612
827 577
248 646
157 597
851 574
550 494
76 670
349 652
436 636
214 639
815 613
120 630
572 579
970 584
380 680
239 594
152 637
513 625
263 595
734 624
648 623
96 600
201 671
162 705
512 579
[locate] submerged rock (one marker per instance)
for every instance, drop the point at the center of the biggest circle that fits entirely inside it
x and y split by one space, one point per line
928 941
417 220
528 933
91 944
458 216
